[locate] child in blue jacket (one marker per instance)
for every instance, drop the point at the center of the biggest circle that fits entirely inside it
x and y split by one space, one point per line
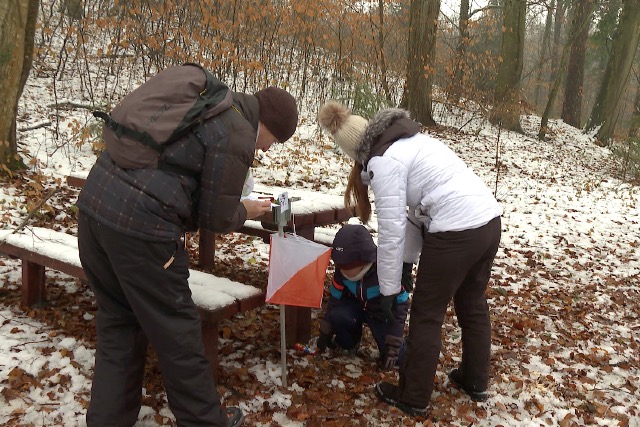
355 300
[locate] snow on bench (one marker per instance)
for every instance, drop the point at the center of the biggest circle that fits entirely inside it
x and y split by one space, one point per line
217 298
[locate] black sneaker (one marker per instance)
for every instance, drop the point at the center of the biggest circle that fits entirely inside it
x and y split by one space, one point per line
235 417
456 377
388 393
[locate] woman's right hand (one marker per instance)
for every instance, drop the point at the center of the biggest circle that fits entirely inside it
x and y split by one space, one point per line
255 208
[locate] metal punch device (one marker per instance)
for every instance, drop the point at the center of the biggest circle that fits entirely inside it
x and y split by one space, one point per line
282 211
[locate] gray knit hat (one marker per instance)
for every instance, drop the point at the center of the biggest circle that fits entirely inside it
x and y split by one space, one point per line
347 129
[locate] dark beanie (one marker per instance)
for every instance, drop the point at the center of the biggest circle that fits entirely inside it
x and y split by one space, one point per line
278 112
353 246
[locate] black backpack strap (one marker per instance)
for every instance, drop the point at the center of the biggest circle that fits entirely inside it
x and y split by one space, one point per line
119 130
210 81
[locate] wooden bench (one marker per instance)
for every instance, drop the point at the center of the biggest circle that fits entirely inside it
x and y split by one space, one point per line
39 248
313 212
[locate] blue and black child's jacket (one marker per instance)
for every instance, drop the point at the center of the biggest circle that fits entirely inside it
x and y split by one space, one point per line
367 292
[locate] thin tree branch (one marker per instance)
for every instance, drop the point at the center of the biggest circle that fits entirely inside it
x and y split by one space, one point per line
33 211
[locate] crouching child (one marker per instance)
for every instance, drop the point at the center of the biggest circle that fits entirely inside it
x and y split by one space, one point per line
355 300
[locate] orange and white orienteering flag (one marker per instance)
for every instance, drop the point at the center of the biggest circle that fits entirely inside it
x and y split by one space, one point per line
297 268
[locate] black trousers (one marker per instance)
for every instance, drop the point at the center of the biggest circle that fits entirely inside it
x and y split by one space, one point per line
452 265
141 302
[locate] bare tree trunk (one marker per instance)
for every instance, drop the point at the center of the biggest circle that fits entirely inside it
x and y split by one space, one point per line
544 54
506 110
383 61
560 76
558 26
553 93
579 32
634 127
17 29
631 156
624 46
461 52
423 23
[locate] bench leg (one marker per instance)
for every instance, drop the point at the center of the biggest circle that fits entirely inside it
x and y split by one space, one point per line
298 325
298 319
210 341
206 249
32 283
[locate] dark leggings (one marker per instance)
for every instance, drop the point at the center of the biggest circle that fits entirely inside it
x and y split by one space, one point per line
452 265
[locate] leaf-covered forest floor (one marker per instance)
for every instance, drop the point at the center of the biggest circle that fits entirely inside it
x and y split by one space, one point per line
564 301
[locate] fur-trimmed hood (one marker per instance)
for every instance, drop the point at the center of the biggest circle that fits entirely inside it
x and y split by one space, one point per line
384 128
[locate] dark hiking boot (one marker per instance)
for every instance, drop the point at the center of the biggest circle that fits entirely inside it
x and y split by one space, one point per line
235 417
388 393
476 395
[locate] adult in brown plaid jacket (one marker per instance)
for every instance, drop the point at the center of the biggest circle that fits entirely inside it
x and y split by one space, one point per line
131 229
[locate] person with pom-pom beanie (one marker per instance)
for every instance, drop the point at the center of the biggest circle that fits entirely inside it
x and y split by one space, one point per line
430 208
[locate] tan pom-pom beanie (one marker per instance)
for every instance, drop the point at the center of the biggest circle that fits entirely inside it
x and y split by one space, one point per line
347 129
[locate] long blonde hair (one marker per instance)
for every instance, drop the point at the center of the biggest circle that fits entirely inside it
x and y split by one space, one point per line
357 194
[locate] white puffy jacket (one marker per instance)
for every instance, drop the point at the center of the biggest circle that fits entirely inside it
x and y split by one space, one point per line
419 182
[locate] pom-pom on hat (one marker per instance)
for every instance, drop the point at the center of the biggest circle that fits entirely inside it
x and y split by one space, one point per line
347 129
278 112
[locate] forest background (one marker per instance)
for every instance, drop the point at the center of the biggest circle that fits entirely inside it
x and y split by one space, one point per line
520 64
570 59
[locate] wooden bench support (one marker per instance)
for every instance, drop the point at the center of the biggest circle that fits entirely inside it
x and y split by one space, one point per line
297 325
33 281
210 331
206 249
210 341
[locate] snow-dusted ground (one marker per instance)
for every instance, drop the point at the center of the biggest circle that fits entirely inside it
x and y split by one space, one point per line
564 295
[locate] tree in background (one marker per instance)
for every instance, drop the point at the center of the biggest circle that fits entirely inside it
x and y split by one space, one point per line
579 32
600 41
624 46
545 52
17 29
93 48
381 55
461 52
482 55
558 28
630 152
506 110
420 66
561 72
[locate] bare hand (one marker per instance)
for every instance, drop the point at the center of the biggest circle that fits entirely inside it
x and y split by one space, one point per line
255 208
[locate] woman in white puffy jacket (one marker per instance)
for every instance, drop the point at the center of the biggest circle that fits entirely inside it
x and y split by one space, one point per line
433 209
